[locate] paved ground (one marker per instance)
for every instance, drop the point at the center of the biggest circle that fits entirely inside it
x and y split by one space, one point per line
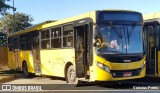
36 80
58 85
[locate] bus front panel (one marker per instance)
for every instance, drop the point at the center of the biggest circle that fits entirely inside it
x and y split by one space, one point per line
119 42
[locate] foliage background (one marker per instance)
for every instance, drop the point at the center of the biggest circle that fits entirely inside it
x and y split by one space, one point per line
10 25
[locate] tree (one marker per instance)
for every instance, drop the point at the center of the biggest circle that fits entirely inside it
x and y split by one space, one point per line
3 6
22 21
3 39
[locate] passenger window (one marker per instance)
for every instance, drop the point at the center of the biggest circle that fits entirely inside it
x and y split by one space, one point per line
68 36
29 39
56 43
45 39
68 41
157 35
56 37
23 42
10 43
45 44
56 32
45 34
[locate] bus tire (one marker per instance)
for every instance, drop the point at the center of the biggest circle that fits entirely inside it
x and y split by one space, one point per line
25 70
71 75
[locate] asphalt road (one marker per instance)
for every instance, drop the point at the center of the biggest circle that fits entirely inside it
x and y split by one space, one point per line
59 85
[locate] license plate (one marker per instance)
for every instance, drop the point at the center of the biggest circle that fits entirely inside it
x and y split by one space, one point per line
127 74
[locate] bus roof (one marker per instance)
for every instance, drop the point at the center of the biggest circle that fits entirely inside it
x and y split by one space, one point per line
46 22
118 10
51 23
151 16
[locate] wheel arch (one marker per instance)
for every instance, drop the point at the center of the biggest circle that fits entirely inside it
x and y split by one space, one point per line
66 68
23 62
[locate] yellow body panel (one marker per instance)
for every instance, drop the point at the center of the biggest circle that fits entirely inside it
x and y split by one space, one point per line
28 57
11 62
23 56
53 61
106 76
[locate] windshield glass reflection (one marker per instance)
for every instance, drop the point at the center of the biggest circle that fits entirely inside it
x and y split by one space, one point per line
120 39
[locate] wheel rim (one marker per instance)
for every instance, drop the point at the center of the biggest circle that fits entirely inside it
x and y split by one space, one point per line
72 75
25 70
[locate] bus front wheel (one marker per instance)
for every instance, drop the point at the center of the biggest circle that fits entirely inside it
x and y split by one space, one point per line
71 75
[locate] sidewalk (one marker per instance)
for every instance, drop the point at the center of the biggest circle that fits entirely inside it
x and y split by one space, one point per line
6 75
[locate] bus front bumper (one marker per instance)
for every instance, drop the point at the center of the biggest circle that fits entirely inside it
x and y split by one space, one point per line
114 75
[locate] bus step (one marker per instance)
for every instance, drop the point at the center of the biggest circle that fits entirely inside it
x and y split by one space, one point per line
83 79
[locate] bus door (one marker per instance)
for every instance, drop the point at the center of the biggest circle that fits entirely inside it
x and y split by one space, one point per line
82 50
152 50
16 43
36 53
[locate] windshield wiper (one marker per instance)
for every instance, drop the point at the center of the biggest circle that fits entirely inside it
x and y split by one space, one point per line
116 31
107 50
132 29
111 52
129 33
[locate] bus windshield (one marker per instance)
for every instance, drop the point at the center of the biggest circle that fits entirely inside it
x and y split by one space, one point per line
120 39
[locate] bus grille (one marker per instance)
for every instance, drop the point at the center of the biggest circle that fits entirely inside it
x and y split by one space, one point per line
123 73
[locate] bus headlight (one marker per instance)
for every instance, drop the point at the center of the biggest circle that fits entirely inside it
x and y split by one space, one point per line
104 67
143 65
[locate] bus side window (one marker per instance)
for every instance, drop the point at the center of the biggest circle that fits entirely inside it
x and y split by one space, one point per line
45 44
68 41
157 36
68 35
45 39
151 38
23 42
56 37
29 39
10 43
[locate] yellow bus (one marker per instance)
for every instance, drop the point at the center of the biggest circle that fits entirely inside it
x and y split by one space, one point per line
103 45
152 43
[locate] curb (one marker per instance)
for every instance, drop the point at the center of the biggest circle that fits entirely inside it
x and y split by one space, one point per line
7 79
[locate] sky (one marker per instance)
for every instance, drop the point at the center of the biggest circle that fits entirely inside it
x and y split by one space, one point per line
43 10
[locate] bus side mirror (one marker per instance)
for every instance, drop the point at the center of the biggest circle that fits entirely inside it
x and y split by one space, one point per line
96 44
